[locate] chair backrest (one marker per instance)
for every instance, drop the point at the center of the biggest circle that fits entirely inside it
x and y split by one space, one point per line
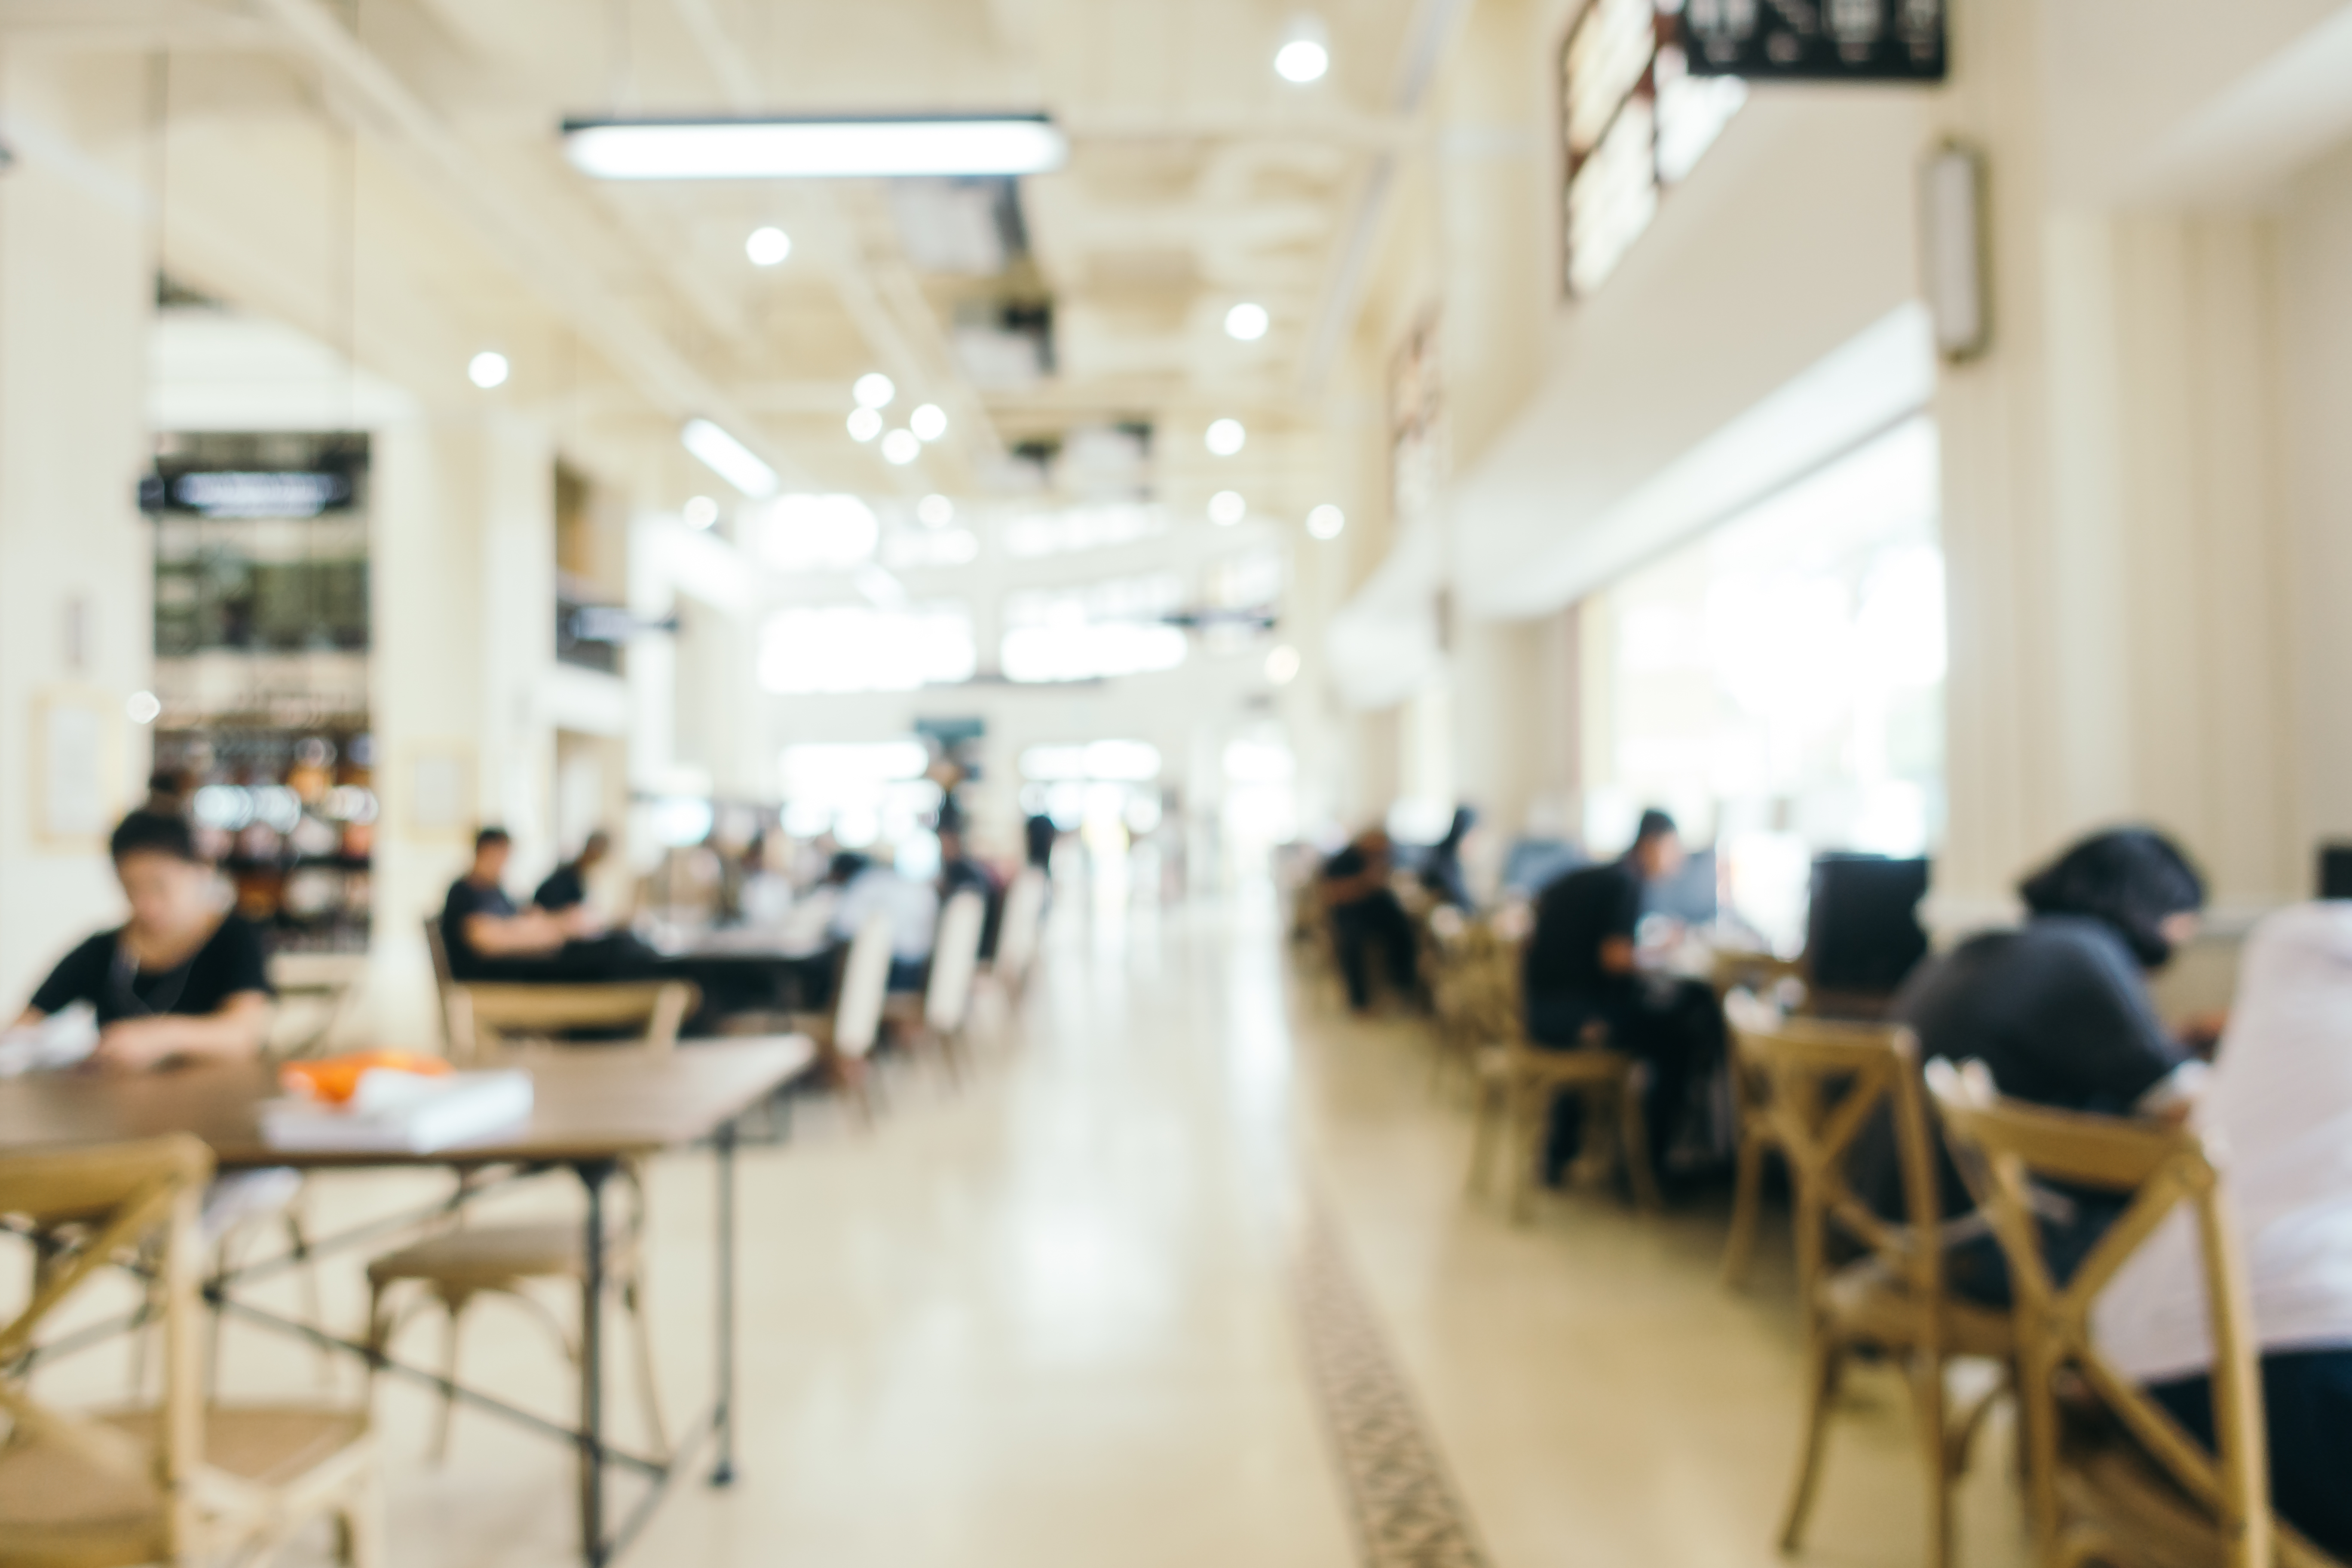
2005 1147
1824 1084
121 1196
444 983
1019 926
483 1015
865 986
955 958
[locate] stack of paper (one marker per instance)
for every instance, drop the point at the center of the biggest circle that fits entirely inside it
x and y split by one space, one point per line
402 1112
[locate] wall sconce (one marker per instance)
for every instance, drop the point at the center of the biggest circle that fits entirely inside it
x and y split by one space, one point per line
1955 249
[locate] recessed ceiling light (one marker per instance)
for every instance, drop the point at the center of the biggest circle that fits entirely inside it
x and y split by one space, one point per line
1306 52
144 707
880 147
701 512
729 458
1326 522
1227 508
1226 437
1281 664
929 423
1246 321
487 369
864 423
901 447
873 389
768 247
935 511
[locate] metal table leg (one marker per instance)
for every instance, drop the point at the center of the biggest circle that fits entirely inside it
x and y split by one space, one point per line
722 1472
595 1549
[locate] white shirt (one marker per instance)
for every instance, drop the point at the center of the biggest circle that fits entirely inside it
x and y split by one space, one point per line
2278 1114
913 909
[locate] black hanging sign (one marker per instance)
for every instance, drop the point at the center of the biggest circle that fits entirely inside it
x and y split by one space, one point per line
1816 40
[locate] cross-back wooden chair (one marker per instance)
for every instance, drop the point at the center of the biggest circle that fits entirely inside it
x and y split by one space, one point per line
183 1481
1746 976
456 1266
2112 1478
1822 1084
1518 1082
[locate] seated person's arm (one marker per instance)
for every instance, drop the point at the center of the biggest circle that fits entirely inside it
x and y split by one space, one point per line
27 1018
530 934
1617 955
232 1033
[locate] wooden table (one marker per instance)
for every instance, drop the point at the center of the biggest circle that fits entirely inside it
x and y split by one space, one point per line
592 1106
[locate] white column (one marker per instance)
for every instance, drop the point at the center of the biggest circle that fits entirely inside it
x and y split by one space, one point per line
76 573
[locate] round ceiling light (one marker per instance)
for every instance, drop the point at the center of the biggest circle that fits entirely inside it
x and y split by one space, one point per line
768 247
935 511
865 424
487 369
1247 322
701 512
1281 664
1306 52
1226 437
901 447
1326 522
929 423
1227 508
873 389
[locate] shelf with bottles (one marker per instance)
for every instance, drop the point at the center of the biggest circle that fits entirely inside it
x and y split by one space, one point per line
289 816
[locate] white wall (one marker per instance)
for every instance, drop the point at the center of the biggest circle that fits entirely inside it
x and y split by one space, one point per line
74 310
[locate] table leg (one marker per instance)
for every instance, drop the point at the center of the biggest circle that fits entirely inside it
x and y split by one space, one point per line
595 1550
722 1473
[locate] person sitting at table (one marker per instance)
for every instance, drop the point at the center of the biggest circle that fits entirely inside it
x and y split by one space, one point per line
184 979
566 887
1441 873
488 939
2279 1101
1365 914
961 870
1581 967
2059 1011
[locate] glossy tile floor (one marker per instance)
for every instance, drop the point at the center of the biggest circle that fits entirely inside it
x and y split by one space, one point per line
1054 1317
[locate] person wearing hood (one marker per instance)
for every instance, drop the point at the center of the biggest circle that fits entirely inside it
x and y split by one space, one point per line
2060 1013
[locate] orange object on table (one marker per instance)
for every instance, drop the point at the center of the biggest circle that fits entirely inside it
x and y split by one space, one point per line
334 1080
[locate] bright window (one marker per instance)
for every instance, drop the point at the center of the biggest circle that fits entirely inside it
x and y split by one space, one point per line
1109 628
854 648
810 533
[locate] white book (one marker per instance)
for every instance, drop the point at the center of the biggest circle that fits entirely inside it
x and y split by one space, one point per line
402 1112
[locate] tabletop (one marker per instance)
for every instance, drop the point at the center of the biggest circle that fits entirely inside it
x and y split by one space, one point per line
590 1102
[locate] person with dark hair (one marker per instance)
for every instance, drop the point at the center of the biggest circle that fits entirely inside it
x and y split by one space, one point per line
566 887
183 979
2059 1011
1582 966
488 939
1442 872
1365 914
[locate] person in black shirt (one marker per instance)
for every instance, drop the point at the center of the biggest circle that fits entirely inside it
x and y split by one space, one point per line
488 939
566 887
1442 872
1581 968
1041 834
2059 1011
182 979
1365 914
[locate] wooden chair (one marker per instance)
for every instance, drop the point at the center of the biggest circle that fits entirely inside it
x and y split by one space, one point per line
846 1039
2111 1476
1752 974
940 1017
184 1481
1519 1082
1018 932
1824 1084
456 1266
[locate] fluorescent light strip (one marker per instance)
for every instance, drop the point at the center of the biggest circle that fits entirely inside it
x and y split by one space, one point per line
813 149
730 458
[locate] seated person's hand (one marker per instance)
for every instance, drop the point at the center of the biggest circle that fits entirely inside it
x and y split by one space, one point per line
579 921
2203 1031
135 1044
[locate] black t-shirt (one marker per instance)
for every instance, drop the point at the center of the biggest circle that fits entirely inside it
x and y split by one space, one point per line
100 972
466 901
564 888
1574 917
2060 1013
